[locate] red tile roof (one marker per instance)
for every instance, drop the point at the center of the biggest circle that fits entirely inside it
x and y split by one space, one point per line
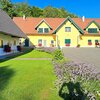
29 24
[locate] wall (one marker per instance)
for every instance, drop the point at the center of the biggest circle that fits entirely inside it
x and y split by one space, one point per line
6 39
73 35
84 41
34 40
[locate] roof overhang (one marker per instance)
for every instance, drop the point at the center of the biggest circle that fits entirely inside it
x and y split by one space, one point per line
13 35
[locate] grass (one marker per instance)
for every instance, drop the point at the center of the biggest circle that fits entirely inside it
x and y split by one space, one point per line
36 54
28 80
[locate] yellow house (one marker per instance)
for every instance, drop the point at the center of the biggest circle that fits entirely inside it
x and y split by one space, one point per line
65 32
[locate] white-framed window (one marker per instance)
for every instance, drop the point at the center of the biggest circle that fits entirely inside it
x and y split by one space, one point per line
67 29
46 30
92 30
40 30
43 30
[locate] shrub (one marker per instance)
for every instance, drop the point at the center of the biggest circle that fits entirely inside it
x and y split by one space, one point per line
57 55
78 45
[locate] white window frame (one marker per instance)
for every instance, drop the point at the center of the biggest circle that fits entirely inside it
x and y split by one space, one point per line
43 30
67 29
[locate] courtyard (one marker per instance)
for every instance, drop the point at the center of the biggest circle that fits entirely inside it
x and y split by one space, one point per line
87 55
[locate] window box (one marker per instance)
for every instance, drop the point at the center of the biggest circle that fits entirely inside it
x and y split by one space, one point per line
67 44
96 42
89 43
39 45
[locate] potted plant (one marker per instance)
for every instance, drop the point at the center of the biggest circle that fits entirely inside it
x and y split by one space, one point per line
7 48
78 45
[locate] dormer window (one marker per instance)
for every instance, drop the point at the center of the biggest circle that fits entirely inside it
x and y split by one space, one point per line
46 30
40 30
43 30
92 30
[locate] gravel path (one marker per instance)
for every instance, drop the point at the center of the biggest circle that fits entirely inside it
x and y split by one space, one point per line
88 55
32 59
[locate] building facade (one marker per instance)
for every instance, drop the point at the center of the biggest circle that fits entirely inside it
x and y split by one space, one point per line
65 32
10 34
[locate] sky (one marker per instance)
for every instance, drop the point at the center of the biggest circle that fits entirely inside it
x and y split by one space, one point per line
87 8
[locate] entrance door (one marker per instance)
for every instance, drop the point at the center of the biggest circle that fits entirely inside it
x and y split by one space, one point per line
45 43
26 42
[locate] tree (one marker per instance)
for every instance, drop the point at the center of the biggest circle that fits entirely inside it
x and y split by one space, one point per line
22 9
36 12
49 11
7 6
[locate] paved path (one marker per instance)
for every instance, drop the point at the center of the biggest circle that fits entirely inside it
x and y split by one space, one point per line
32 59
88 55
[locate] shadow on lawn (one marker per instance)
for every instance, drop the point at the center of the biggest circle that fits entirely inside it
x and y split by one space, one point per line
5 74
70 94
15 55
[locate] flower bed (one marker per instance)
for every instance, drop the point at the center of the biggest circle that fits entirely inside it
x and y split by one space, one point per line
77 81
46 49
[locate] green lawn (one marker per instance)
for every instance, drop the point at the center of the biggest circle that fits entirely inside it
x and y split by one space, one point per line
28 80
36 54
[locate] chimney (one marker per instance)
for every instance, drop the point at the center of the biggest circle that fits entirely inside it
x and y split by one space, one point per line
83 18
24 17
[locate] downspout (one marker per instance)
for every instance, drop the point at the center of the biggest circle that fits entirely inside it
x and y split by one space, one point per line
56 40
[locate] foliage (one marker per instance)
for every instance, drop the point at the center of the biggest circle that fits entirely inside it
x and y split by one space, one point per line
36 12
46 49
7 6
78 73
20 9
57 55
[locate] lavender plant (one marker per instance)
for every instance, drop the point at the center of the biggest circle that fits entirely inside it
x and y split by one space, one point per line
46 49
81 73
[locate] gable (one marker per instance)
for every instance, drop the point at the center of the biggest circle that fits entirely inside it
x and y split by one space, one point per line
72 22
93 24
73 30
43 24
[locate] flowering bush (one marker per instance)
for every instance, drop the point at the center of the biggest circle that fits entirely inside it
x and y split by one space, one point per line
78 73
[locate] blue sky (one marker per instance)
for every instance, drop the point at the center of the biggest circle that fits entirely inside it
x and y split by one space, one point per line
87 8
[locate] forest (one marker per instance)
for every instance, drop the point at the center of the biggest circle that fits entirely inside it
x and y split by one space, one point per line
23 8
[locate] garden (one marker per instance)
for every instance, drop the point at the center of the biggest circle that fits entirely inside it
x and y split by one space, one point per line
55 79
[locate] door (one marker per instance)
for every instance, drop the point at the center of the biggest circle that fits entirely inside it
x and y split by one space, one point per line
26 42
45 43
